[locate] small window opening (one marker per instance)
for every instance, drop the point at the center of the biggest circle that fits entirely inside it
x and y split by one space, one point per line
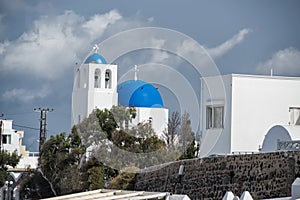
214 117
6 139
97 81
294 115
107 78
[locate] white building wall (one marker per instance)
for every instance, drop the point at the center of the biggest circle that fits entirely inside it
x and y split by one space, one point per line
159 117
259 103
14 137
252 105
15 143
214 91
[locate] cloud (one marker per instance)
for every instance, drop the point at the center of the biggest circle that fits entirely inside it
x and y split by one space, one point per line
98 23
25 95
223 48
285 62
53 44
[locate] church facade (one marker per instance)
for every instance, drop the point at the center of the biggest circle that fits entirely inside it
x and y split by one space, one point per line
96 86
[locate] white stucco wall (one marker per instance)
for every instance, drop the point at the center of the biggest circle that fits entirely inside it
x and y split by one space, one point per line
159 118
16 137
259 103
252 105
85 97
215 91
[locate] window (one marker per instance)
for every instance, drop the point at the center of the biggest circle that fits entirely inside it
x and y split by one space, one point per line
214 117
97 81
107 78
294 115
6 139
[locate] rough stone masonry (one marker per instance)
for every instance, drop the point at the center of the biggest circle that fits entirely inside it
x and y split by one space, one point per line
264 175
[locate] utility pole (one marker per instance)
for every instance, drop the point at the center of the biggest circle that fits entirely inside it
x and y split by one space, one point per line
43 125
1 125
1 135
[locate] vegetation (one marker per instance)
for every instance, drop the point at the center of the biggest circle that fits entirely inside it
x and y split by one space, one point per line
6 160
99 150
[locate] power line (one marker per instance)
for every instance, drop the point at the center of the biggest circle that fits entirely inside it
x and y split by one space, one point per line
22 126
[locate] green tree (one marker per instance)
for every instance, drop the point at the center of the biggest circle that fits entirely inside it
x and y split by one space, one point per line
125 180
59 160
7 159
191 152
96 177
123 116
106 122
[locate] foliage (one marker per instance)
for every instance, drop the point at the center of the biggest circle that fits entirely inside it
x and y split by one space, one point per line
59 160
7 159
125 180
191 152
180 138
106 122
123 116
34 186
96 178
185 132
109 140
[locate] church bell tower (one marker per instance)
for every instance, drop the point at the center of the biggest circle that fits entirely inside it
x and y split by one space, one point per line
95 86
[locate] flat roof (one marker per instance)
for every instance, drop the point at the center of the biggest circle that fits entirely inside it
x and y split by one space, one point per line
118 194
257 76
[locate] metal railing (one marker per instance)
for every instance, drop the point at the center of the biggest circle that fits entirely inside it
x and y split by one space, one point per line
289 145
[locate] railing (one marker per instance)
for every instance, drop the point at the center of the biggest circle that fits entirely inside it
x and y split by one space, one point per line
33 154
289 145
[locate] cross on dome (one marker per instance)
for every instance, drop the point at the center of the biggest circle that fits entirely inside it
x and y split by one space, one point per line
135 72
96 48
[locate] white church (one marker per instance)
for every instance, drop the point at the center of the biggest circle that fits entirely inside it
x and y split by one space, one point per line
96 86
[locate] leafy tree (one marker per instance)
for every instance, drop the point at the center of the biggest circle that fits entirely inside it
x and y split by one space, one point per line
59 160
125 180
7 159
106 122
123 115
192 151
108 141
34 186
96 177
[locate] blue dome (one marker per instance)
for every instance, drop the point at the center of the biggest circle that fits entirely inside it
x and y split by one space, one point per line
95 58
139 94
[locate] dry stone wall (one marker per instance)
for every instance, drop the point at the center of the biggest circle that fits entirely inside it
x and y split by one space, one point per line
264 175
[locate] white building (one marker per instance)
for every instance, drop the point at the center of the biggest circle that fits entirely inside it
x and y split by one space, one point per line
237 111
95 86
11 141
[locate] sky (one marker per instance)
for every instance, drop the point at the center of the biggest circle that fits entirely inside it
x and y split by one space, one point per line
41 42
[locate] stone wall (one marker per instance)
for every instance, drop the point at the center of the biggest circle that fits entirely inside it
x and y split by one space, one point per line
265 175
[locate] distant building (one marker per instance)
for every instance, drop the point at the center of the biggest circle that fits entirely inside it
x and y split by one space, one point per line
11 141
237 111
95 86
